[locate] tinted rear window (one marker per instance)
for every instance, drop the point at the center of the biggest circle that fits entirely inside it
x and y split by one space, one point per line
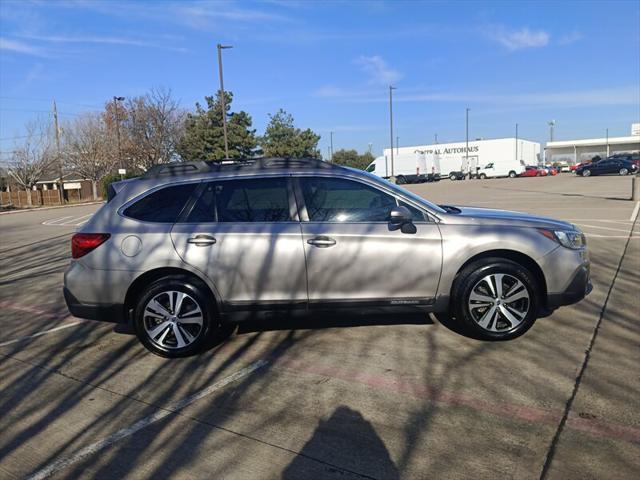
161 206
251 200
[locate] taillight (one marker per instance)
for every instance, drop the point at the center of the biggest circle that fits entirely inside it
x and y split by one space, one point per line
83 243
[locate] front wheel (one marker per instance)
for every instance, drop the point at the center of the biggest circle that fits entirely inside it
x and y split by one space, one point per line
586 173
623 171
512 174
453 176
496 299
401 180
482 176
174 317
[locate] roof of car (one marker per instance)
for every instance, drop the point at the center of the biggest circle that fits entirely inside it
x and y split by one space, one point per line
249 165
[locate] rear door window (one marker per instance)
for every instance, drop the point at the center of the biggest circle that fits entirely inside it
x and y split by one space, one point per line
247 200
163 205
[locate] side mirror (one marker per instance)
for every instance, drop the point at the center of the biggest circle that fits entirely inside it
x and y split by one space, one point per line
400 216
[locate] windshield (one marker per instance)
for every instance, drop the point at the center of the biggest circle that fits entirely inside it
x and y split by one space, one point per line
401 191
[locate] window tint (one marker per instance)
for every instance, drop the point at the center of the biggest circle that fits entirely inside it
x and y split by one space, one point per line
253 200
162 206
339 200
416 215
371 168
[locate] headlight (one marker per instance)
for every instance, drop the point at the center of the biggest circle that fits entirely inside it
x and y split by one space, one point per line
572 239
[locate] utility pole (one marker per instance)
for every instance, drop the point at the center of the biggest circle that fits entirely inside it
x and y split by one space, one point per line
115 107
436 138
391 89
551 125
397 145
607 142
61 173
331 157
223 101
370 145
467 141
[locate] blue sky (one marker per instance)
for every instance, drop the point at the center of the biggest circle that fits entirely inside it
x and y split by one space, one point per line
330 63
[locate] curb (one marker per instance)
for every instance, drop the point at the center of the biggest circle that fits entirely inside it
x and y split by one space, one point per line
40 209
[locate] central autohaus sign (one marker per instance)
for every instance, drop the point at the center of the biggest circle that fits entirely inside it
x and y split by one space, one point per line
449 151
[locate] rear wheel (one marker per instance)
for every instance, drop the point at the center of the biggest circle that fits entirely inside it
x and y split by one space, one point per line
400 180
512 174
623 171
496 299
586 173
174 316
453 176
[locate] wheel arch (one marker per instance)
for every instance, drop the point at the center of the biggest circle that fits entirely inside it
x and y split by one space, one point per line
137 286
517 257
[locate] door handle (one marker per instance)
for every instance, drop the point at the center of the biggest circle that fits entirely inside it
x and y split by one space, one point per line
321 242
202 240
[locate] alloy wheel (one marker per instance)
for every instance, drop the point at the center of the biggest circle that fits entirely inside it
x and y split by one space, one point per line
623 171
173 319
499 302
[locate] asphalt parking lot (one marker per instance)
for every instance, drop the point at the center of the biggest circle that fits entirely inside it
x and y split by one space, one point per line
340 397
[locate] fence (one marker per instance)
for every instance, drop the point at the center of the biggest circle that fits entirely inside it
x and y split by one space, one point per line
20 199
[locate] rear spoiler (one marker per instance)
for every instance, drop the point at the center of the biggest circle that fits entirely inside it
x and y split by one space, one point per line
115 187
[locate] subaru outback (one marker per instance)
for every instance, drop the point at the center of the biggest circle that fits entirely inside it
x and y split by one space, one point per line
188 247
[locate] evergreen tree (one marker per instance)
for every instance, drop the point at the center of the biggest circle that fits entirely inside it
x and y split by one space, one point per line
283 139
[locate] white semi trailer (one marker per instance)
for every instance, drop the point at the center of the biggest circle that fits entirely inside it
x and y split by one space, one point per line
502 157
414 167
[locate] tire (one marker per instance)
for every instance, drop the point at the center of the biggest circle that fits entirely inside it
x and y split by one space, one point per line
154 308
453 176
512 174
586 173
537 174
483 176
401 180
623 171
498 319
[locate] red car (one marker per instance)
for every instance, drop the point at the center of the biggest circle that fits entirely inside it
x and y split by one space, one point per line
533 172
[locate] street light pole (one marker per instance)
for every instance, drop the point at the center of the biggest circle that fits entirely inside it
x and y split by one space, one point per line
331 157
397 145
551 125
61 182
607 142
436 138
115 107
223 102
391 89
467 142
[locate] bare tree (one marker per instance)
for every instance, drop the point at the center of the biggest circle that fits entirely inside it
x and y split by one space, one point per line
150 128
33 157
88 149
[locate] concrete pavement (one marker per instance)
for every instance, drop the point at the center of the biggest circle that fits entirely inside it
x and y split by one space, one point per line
340 397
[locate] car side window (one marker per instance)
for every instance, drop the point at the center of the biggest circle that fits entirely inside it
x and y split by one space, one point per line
248 200
416 215
342 200
489 165
163 205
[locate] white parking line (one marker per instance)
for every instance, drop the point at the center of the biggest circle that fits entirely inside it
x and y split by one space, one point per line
44 332
53 222
603 228
144 423
634 214
68 221
77 220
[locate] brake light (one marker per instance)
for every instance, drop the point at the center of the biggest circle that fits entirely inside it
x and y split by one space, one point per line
83 243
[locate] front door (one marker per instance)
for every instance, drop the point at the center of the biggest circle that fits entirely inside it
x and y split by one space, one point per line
355 256
244 235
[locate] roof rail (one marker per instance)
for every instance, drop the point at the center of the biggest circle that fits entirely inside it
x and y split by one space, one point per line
186 168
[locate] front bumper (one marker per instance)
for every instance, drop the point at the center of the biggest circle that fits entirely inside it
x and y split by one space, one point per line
579 287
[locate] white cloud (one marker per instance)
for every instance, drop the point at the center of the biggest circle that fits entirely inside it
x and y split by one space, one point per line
570 38
514 40
21 47
378 71
97 39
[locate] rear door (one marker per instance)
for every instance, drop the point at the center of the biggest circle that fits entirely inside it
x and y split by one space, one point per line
354 256
245 236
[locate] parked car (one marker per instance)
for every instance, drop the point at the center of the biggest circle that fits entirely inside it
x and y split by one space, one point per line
607 166
551 170
631 157
533 172
188 247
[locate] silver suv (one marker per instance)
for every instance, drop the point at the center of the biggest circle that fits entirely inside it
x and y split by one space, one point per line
188 247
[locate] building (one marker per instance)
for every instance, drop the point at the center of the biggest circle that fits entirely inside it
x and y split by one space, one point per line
576 151
76 187
481 152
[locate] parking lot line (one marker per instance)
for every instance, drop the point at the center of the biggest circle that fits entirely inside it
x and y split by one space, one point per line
634 214
43 332
55 220
603 228
144 423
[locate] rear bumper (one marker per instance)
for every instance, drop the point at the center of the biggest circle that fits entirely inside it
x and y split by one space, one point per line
103 312
579 287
